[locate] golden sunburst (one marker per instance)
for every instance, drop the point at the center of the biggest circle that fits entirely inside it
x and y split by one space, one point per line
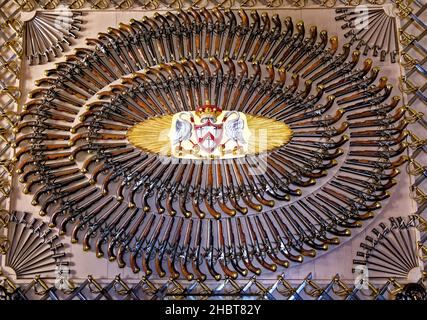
152 135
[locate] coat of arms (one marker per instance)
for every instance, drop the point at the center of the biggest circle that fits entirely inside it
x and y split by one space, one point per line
209 132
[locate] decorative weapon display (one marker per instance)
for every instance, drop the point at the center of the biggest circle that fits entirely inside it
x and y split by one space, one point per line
108 196
31 248
112 196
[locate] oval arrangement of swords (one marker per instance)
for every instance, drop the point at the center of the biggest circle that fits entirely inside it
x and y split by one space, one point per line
210 143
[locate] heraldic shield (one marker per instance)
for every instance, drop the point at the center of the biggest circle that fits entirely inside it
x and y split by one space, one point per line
209 132
209 135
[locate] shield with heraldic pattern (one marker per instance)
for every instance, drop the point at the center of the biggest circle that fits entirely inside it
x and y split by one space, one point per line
209 134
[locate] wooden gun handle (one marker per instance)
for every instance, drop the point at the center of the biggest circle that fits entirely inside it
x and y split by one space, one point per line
221 203
89 234
93 213
174 274
260 259
195 200
200 276
145 196
246 198
183 262
158 195
170 196
183 206
213 212
99 251
272 255
122 229
121 251
212 271
158 261
199 25
68 218
247 262
232 197
222 262
175 243
286 253
209 23
196 208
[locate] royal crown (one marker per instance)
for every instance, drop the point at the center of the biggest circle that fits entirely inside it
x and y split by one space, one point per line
208 110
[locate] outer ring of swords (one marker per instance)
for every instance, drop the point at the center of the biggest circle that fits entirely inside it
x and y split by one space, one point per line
199 220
